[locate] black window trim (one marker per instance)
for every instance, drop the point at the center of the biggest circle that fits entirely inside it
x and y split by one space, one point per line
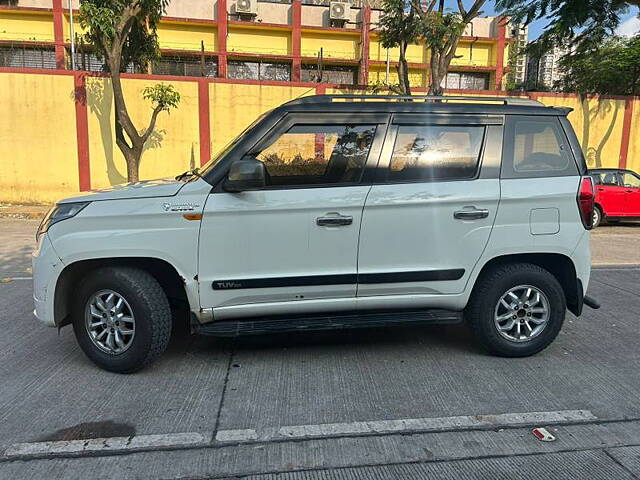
380 120
486 121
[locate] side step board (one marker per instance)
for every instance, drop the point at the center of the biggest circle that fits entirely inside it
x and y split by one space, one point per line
252 326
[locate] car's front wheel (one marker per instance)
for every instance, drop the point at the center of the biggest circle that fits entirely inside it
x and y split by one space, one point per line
517 309
121 318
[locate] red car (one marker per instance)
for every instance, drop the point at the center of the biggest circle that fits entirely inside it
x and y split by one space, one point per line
617 195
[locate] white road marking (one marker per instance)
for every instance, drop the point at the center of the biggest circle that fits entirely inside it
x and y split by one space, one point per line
615 268
237 435
106 444
11 279
192 439
407 425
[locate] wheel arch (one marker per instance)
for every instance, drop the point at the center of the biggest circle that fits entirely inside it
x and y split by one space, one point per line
166 274
559 265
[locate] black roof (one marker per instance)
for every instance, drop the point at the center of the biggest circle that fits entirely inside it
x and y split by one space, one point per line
421 104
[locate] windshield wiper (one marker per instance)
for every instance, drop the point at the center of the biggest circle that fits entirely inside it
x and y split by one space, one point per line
189 173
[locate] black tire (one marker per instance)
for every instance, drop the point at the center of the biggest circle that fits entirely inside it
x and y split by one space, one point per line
597 216
490 288
149 306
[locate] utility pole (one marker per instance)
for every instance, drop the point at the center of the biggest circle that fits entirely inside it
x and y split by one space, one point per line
73 39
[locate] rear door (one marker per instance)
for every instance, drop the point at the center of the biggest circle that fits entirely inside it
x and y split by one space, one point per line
611 194
631 185
427 220
292 245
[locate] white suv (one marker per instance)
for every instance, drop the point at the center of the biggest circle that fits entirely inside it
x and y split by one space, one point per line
335 212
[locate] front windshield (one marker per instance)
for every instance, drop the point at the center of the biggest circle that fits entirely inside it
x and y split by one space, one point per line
224 150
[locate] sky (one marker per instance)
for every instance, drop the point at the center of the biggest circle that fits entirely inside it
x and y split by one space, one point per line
629 23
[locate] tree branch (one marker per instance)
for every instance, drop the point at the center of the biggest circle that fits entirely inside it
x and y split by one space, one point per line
152 124
463 12
473 12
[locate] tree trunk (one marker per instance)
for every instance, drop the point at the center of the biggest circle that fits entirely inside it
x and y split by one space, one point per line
403 71
132 150
437 73
133 166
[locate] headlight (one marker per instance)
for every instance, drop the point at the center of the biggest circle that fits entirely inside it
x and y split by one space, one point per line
58 213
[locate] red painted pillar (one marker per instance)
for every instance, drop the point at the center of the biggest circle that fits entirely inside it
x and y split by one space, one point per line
364 45
82 132
58 33
626 132
502 34
204 121
223 22
296 39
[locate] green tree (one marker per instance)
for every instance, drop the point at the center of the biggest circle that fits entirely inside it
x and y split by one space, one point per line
611 68
399 27
404 22
583 22
123 33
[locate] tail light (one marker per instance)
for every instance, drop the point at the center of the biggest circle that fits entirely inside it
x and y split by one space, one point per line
586 197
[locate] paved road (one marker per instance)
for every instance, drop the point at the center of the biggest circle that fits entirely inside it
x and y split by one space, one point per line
392 403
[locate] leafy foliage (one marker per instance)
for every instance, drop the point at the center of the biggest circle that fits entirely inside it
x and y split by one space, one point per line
585 22
164 97
399 24
404 22
131 23
612 68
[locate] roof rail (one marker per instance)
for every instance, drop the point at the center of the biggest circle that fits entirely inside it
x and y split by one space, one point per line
416 98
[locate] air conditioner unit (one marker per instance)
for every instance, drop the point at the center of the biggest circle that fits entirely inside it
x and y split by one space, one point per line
247 7
339 11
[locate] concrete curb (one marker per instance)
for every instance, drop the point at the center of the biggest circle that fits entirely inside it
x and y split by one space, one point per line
26 212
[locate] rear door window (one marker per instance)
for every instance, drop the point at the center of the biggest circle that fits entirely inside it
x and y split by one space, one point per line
435 152
536 147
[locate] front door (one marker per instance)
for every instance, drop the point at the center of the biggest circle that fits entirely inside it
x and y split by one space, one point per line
631 185
428 219
291 247
611 194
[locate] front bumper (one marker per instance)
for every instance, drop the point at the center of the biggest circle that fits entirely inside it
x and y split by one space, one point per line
46 266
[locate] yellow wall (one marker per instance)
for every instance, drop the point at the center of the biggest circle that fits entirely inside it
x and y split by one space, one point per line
333 46
273 42
476 54
633 156
26 26
598 125
176 36
38 149
415 53
172 149
234 106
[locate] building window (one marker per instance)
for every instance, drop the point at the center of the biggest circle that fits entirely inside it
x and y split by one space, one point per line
26 56
342 74
87 60
188 66
259 70
466 81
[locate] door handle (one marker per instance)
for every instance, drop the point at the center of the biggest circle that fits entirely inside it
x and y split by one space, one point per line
471 213
334 219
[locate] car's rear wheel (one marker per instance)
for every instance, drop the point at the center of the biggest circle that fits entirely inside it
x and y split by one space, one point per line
121 318
597 216
516 310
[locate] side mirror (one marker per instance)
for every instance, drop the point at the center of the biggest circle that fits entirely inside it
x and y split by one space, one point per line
245 174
